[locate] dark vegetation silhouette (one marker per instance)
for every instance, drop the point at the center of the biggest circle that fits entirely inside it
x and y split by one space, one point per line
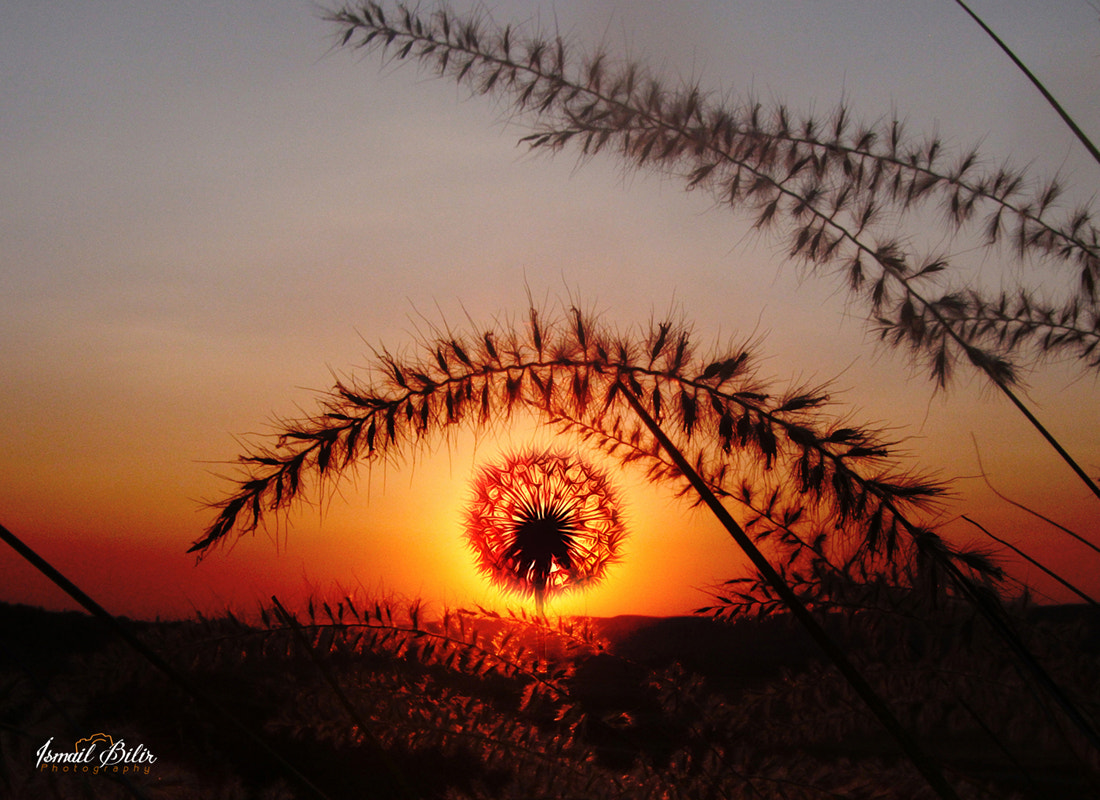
982 694
372 699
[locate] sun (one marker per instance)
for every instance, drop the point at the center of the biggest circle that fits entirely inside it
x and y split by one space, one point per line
544 522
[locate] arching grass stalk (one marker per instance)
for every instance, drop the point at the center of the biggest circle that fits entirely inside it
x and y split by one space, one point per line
726 420
840 194
927 767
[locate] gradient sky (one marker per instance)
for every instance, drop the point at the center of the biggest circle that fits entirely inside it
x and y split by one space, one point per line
205 212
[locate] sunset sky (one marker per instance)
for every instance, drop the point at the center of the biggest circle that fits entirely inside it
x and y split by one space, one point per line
206 212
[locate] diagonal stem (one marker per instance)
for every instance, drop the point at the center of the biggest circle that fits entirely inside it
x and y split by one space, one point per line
924 764
1046 434
150 655
1066 118
1051 573
1031 511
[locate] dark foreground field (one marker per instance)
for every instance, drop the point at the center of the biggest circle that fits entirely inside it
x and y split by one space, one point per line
368 701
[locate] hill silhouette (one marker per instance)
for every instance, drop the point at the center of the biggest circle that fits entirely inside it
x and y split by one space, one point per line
612 701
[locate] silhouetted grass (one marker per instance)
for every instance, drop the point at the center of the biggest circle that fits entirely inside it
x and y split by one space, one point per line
471 705
842 194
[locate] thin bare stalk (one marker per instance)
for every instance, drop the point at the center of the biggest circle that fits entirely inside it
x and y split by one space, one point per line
995 614
1032 561
1068 531
1050 438
1066 118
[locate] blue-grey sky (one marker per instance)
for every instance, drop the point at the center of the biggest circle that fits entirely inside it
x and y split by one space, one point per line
204 211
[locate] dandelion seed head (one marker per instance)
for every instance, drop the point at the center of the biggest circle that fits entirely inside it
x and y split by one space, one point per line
543 522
